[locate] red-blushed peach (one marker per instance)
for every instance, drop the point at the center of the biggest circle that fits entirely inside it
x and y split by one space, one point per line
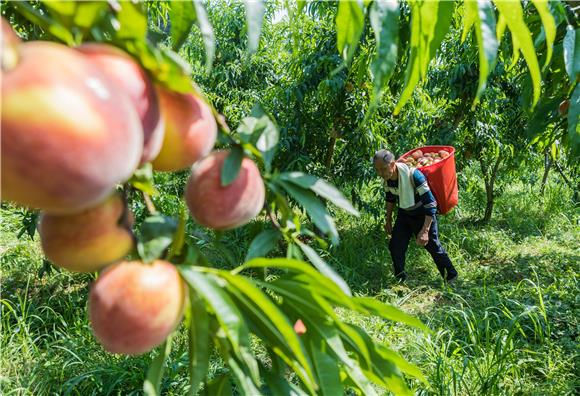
190 130
68 135
89 240
443 154
219 207
133 306
126 73
10 42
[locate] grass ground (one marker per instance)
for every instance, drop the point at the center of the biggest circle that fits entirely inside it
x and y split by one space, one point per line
509 326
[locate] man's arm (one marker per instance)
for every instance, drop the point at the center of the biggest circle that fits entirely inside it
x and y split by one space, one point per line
429 206
389 218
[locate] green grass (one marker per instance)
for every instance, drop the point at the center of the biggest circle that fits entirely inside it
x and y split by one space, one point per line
509 326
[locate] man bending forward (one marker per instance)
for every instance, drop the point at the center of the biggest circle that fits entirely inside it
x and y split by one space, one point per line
416 214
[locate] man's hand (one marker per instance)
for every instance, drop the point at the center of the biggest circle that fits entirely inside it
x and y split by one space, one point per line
422 238
388 228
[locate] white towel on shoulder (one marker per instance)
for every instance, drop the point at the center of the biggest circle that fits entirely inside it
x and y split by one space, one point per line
406 186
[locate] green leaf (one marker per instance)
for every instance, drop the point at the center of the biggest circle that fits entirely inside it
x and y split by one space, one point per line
316 278
378 308
513 13
263 243
549 27
207 34
63 9
164 65
350 20
254 17
182 15
430 22
324 268
275 323
267 138
320 187
572 52
332 338
384 18
143 180
482 15
573 124
326 369
152 384
156 235
88 13
229 317
178 242
132 21
219 386
47 24
199 342
383 370
314 207
247 385
232 165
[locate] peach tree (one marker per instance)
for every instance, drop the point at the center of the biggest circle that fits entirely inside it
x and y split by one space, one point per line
94 106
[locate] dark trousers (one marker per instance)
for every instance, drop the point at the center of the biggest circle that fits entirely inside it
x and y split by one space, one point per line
408 225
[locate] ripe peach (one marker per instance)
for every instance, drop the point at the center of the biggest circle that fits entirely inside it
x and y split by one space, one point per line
443 153
89 240
68 135
417 154
190 130
126 73
222 208
133 306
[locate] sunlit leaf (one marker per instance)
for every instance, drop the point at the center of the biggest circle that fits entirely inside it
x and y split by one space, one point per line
320 187
324 268
230 319
47 24
512 12
274 321
376 307
314 207
152 384
182 15
326 369
132 20
254 17
549 26
572 52
350 20
430 22
481 16
199 342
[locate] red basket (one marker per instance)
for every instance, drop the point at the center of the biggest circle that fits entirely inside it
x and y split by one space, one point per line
441 177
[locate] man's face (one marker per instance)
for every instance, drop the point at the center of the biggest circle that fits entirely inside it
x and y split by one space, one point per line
386 170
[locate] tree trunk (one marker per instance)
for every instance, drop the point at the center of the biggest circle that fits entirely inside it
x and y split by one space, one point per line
330 152
547 166
489 178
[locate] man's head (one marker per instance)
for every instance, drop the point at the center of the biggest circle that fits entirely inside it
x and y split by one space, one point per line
384 163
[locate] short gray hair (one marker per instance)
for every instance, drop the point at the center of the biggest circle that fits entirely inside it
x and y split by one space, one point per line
385 155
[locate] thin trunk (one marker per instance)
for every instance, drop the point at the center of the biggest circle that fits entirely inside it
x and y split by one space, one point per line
489 189
330 152
547 166
568 182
